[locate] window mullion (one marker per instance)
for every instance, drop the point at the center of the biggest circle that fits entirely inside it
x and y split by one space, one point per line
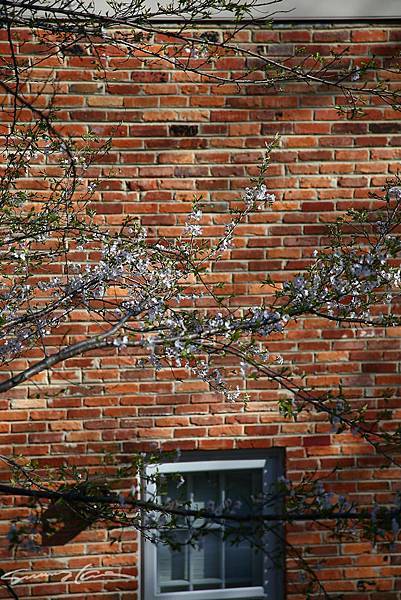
222 485
189 547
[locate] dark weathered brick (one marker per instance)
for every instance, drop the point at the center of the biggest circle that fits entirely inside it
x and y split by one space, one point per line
183 130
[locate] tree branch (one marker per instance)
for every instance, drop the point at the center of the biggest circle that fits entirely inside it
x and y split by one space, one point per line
77 497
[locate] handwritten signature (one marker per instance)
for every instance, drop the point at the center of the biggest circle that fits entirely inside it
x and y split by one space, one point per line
86 573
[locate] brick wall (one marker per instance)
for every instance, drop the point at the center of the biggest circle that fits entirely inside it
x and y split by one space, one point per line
176 135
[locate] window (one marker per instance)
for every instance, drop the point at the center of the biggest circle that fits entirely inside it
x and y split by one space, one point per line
222 566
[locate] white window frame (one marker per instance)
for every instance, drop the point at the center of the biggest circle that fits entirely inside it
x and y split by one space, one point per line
271 467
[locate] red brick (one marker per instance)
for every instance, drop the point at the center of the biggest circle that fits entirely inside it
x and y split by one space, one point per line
325 163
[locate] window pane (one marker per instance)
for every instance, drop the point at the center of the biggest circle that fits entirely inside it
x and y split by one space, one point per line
174 488
243 565
172 565
206 490
206 562
242 490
